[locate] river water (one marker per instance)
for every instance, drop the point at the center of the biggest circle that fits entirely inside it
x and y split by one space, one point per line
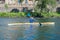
29 32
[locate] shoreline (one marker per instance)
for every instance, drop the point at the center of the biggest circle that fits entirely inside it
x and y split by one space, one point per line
22 14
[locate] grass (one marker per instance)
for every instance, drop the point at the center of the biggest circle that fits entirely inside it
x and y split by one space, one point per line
23 14
51 14
8 14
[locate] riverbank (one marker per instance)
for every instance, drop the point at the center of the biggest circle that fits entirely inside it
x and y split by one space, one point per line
22 14
53 14
12 15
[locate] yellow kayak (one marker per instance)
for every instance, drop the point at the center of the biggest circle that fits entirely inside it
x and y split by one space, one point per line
35 23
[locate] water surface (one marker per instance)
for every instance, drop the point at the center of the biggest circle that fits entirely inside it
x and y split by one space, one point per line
29 32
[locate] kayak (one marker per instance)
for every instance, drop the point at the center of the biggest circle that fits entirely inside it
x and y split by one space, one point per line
34 23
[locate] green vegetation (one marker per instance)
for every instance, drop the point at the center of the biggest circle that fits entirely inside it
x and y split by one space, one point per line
44 6
8 14
51 14
6 7
22 14
47 15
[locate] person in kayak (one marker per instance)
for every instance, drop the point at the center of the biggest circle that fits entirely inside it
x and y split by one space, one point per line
31 20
